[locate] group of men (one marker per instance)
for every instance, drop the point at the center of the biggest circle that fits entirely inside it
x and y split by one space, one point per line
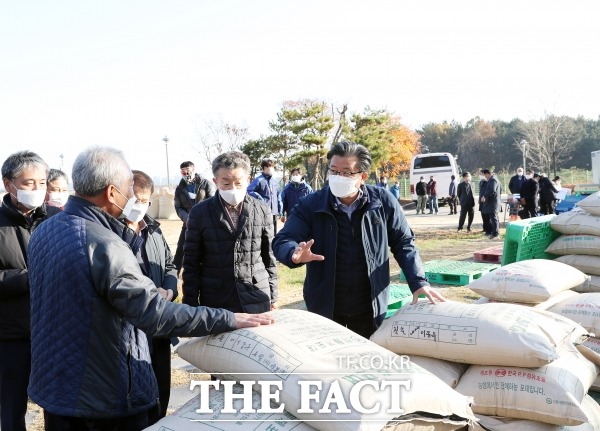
537 193
99 279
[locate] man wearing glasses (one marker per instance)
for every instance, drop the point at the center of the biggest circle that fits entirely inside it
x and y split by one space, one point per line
344 233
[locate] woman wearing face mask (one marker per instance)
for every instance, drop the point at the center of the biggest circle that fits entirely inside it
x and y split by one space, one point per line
293 191
227 260
23 209
156 262
57 188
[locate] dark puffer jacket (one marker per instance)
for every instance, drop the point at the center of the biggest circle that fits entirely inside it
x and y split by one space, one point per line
223 268
15 231
89 356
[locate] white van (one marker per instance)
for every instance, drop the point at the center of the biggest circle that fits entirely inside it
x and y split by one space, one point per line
441 165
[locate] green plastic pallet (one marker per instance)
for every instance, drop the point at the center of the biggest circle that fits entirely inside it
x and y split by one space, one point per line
528 239
457 273
400 295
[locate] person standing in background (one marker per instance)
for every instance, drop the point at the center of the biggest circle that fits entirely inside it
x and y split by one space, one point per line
395 190
464 192
191 189
530 196
156 262
24 175
295 189
266 187
452 201
485 217
382 182
57 188
491 202
421 191
547 195
516 182
432 192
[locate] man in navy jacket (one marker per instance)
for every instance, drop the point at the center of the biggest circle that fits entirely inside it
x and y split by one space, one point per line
344 232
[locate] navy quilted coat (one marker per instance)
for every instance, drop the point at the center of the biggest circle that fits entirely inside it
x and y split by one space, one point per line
89 305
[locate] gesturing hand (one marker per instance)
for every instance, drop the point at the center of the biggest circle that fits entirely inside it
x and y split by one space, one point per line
302 254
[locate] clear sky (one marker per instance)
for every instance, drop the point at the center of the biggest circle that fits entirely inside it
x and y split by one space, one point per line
125 73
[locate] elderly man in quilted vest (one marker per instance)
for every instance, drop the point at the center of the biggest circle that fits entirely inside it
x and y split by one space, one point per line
90 365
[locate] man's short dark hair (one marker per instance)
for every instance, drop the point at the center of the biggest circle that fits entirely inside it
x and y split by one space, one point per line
465 174
267 163
186 164
485 171
347 149
142 181
536 175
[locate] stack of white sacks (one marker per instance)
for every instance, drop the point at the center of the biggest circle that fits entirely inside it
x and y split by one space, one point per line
303 347
530 355
579 244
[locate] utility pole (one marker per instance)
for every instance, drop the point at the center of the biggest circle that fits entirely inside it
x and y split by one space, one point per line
167 153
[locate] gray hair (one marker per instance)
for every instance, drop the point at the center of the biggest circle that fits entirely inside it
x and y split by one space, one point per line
98 167
18 162
55 174
231 160
349 149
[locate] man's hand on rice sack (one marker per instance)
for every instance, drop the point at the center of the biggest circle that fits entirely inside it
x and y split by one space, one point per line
245 320
432 294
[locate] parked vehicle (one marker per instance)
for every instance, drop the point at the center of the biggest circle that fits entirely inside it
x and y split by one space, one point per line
441 165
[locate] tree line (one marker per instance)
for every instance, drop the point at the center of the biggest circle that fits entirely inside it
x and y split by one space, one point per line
303 131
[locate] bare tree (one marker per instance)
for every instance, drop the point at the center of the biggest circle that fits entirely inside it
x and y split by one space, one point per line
551 141
217 137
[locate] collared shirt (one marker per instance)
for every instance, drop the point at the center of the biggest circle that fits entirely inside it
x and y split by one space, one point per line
233 212
349 209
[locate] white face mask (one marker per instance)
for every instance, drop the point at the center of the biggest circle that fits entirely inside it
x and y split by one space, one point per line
520 173
233 196
128 206
270 171
528 177
58 199
137 212
481 178
342 187
30 199
296 178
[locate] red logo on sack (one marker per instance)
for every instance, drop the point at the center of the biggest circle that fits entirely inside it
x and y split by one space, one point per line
500 372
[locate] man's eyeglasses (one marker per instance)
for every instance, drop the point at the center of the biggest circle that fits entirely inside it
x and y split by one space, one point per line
149 203
343 174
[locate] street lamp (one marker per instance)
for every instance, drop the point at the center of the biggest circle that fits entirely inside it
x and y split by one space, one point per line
524 149
167 152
